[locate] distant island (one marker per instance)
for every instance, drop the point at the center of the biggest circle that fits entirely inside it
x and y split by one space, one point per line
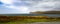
47 12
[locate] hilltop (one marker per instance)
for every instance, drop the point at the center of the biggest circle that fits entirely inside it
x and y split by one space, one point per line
47 12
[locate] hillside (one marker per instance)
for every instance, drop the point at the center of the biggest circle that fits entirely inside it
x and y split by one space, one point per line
47 12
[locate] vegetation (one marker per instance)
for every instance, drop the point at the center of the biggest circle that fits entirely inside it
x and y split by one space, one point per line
47 12
27 19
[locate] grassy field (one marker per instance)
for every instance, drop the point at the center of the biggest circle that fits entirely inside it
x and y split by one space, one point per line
26 19
31 21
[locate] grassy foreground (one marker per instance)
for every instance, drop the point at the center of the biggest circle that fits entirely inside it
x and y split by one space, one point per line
26 19
31 21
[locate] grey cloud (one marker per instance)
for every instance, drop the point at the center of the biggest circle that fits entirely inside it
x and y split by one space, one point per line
43 5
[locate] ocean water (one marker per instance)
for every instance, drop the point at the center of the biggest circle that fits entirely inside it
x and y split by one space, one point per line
57 15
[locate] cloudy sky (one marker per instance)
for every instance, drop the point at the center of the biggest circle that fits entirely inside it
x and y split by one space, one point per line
26 6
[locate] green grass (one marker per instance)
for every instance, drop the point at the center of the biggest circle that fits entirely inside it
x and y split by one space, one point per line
35 20
31 21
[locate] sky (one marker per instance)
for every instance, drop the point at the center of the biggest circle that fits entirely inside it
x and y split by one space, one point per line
27 6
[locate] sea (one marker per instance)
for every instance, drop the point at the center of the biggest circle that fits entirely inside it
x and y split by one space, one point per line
50 15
